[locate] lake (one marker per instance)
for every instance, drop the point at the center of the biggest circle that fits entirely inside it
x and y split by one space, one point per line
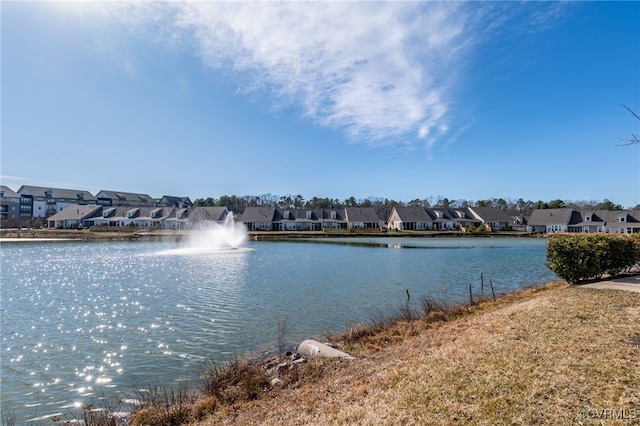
85 319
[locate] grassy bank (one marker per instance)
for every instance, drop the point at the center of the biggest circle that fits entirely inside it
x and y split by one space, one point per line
550 355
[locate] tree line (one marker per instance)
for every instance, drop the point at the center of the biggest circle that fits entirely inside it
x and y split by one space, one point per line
383 206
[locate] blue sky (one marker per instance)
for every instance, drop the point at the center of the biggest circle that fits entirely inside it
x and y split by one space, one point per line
397 100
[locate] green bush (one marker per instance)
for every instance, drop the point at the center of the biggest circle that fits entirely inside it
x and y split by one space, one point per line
584 257
621 254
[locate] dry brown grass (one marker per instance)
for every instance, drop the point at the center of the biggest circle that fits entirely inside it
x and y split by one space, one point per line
556 355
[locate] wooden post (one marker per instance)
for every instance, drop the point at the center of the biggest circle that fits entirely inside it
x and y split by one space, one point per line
470 296
481 283
492 292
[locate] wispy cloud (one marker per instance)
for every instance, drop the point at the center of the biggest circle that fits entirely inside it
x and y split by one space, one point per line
381 72
15 182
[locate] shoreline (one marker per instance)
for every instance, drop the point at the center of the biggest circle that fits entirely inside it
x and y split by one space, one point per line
12 235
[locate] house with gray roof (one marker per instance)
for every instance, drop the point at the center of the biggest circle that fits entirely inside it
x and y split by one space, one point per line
448 219
259 218
623 222
121 216
553 220
43 202
409 219
104 217
308 219
274 219
333 219
284 220
74 216
178 220
569 220
202 217
171 201
609 221
362 218
152 217
493 218
587 222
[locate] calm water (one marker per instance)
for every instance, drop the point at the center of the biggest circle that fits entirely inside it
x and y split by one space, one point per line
81 320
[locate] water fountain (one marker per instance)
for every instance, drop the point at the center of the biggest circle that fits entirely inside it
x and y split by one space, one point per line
215 238
228 235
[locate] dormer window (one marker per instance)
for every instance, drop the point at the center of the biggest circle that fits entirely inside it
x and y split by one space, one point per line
333 214
588 218
155 213
132 213
621 218
287 214
309 214
48 193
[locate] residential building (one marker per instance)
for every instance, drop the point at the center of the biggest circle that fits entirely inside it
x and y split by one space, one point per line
152 217
9 206
493 218
550 221
410 219
118 198
78 216
362 218
73 217
273 219
171 201
202 217
259 219
446 219
43 202
568 220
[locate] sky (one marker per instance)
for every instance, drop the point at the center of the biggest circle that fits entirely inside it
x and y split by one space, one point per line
398 100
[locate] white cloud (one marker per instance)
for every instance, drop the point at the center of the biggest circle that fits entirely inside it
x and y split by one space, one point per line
381 72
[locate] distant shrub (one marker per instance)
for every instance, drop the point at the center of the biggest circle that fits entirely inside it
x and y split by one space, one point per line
477 229
584 257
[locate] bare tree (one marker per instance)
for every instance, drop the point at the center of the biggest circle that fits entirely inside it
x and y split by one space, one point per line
634 138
